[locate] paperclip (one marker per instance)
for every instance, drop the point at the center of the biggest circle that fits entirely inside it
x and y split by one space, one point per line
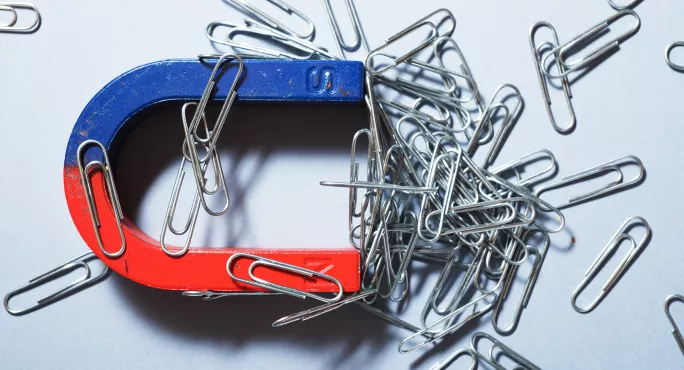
450 327
675 329
261 51
10 27
668 51
264 18
106 169
360 38
368 62
262 261
189 227
629 5
525 363
14 16
84 281
615 241
460 353
210 295
612 187
322 309
210 142
520 160
586 60
536 53
464 67
529 286
506 125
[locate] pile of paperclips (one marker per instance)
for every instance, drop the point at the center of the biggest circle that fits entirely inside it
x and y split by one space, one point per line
417 195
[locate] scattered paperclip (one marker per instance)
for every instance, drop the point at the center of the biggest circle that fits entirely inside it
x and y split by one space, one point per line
11 26
106 169
359 36
264 18
492 359
454 356
583 62
81 283
675 329
635 249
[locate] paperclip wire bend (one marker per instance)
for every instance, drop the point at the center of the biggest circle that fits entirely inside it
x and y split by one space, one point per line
618 7
111 190
675 329
78 284
586 60
526 364
620 235
282 266
10 27
441 365
668 51
359 37
269 21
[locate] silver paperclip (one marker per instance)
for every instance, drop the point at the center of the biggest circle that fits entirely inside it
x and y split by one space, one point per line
583 62
611 187
106 169
629 5
529 286
322 309
446 320
529 157
675 329
368 62
536 53
670 63
460 353
11 26
83 282
264 18
359 37
619 236
262 261
492 359
259 50
210 295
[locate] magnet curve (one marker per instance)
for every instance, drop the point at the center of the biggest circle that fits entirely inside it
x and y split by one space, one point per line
107 119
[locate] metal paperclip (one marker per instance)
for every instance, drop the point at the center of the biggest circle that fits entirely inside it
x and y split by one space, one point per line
583 37
508 122
259 50
261 261
106 169
520 160
359 36
368 62
525 363
460 353
675 329
536 53
529 286
210 142
668 50
629 5
264 18
446 320
10 27
463 67
615 241
322 309
612 187
84 281
210 295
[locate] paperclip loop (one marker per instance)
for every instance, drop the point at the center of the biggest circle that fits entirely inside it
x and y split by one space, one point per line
629 5
106 169
668 51
434 35
598 170
449 328
507 124
359 37
210 142
492 361
258 282
619 236
322 309
454 356
583 62
536 53
675 329
14 16
539 257
529 158
439 52
11 26
264 18
78 284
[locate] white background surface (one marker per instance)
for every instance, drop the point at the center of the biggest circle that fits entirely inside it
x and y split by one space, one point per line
630 104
